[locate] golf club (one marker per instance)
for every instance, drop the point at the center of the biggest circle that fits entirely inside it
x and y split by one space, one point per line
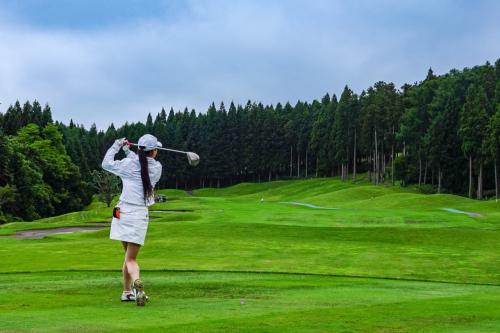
193 158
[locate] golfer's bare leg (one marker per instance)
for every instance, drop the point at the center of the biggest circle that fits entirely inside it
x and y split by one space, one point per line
127 281
130 260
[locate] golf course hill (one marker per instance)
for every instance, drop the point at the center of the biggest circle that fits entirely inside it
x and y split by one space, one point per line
309 255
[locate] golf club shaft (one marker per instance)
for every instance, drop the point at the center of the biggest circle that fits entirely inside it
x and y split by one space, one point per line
167 149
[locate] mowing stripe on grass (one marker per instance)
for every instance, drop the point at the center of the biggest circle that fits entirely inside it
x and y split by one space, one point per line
258 272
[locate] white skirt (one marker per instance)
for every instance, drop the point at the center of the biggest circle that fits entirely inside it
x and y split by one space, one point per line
132 225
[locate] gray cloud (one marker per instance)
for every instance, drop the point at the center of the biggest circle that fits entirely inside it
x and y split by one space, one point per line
220 50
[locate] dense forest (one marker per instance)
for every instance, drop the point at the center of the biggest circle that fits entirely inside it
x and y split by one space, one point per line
442 133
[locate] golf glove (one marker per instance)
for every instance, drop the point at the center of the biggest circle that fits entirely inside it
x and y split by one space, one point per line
120 142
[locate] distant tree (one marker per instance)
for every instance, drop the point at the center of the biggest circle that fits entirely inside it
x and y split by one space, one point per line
12 120
473 126
46 117
342 130
149 123
7 197
107 185
320 142
36 115
379 114
497 69
493 144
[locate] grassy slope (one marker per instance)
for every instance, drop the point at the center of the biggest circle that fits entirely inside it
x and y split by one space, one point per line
380 232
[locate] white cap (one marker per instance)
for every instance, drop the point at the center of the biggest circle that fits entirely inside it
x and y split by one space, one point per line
149 142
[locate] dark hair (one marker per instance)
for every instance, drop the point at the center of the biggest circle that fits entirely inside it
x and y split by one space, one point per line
146 182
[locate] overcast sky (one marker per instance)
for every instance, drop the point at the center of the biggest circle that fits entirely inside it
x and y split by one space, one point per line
117 60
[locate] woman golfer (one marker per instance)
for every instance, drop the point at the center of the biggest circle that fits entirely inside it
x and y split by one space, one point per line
139 174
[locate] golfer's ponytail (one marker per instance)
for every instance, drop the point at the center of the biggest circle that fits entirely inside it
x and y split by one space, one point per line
146 182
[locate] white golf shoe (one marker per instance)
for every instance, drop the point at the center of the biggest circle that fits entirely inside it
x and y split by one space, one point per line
128 297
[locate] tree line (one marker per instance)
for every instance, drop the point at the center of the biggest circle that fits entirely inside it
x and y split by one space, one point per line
37 177
435 133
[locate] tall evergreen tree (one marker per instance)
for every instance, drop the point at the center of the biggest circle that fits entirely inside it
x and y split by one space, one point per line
493 144
473 124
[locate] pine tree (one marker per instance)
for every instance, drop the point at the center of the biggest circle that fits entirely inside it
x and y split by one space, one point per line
46 117
342 131
320 142
27 115
473 124
149 123
493 144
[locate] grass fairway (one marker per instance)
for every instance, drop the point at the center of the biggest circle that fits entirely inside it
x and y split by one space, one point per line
384 260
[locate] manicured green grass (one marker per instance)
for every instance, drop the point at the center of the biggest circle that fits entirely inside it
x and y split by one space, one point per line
243 302
387 260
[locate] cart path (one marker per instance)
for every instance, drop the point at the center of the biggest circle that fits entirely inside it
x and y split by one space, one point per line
307 205
453 210
42 233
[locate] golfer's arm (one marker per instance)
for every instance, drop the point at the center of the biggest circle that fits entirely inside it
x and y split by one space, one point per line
109 163
157 174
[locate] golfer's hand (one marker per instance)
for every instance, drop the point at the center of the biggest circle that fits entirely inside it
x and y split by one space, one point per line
126 148
121 142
